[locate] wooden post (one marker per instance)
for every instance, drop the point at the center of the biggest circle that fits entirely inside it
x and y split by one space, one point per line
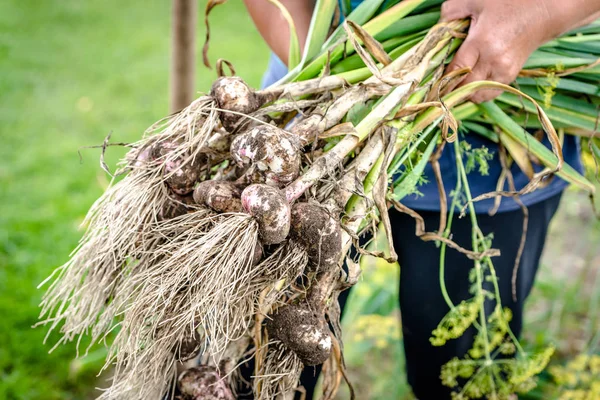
183 53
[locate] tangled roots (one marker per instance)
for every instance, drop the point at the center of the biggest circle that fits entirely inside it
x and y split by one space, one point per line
202 279
119 226
190 128
278 374
121 223
287 262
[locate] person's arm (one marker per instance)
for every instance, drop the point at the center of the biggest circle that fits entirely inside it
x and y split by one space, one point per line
504 33
274 28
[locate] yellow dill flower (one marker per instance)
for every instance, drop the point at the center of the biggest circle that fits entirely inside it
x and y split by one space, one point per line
579 363
579 378
382 330
594 365
456 322
529 367
497 328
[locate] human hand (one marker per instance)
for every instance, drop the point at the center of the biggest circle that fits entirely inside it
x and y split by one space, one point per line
502 35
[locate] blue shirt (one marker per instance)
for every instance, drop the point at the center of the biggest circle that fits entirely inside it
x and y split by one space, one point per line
429 199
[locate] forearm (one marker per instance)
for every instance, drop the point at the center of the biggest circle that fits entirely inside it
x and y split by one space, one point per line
273 27
565 15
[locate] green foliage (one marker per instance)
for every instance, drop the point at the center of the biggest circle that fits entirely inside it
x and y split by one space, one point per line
412 176
476 158
358 112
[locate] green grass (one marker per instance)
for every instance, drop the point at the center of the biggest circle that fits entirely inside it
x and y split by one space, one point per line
71 72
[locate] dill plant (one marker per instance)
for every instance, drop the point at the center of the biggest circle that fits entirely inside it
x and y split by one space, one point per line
496 366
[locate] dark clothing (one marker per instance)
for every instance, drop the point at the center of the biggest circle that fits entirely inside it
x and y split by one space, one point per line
421 303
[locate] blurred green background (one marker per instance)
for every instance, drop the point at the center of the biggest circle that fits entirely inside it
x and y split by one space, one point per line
73 71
